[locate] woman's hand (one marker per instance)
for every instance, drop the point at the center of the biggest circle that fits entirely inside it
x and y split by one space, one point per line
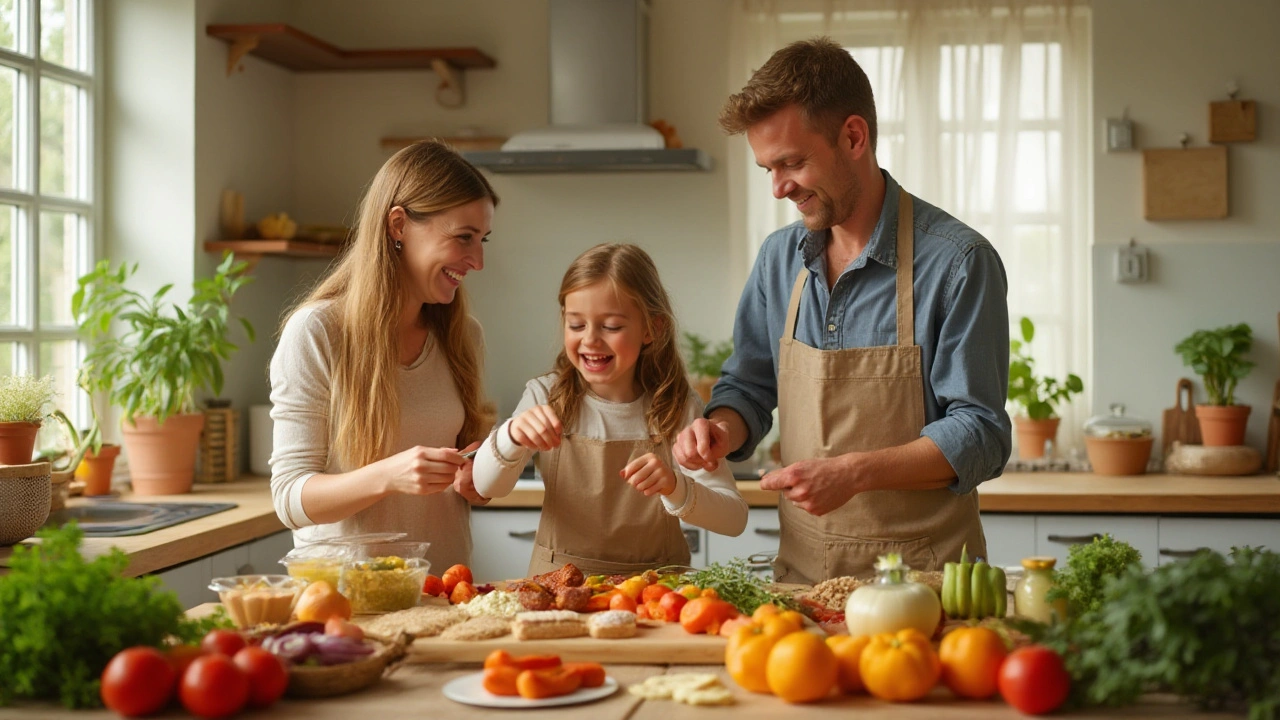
649 475
421 470
537 428
464 484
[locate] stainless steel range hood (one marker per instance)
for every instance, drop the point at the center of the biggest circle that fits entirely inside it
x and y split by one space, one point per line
599 99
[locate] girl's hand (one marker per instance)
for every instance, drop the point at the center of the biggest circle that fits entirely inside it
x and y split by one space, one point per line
463 484
649 475
421 470
537 428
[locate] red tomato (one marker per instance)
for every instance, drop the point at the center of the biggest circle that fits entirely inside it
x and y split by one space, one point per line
180 657
1034 680
213 687
138 681
268 677
455 575
227 642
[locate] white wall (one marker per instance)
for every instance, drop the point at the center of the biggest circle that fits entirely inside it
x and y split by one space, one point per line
1165 60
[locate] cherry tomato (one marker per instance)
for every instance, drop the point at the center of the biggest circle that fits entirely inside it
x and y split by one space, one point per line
213 687
1034 680
455 575
138 681
180 657
227 642
268 677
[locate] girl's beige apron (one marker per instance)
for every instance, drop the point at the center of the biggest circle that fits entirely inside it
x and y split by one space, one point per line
832 402
592 518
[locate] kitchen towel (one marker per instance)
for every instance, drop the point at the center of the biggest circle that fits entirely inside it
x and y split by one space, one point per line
260 429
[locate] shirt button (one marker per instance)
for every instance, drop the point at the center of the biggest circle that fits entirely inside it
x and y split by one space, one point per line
831 327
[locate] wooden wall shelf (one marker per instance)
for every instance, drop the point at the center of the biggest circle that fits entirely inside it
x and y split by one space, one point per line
281 248
291 48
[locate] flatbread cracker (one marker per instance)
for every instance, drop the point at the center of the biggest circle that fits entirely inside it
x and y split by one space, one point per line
663 687
481 627
421 621
714 695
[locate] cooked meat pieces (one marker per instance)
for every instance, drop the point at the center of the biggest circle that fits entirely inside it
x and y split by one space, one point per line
573 598
567 576
533 597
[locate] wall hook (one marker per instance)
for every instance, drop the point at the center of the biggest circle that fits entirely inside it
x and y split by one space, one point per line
1232 90
1184 140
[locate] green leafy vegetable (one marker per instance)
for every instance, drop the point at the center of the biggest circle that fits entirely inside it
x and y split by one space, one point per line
62 618
1088 567
735 582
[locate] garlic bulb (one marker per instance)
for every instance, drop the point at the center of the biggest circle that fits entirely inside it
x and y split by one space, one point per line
891 603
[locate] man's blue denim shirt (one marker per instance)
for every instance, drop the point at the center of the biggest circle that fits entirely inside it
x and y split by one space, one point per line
961 325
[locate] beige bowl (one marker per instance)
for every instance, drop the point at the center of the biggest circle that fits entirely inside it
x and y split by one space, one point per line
1119 456
24 500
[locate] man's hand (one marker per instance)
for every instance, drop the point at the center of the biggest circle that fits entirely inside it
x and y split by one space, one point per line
702 445
463 484
815 486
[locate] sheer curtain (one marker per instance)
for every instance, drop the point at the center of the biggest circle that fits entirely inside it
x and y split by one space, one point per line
983 109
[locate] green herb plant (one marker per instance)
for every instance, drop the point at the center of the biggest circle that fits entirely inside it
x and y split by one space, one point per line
1038 395
1088 567
81 443
62 618
1205 628
26 398
1217 356
167 353
735 583
704 359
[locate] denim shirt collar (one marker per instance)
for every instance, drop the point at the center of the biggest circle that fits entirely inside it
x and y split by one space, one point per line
883 247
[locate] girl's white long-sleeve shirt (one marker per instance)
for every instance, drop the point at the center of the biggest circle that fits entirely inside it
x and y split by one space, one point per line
707 499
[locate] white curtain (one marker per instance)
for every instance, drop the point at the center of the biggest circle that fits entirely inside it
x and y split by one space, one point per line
983 109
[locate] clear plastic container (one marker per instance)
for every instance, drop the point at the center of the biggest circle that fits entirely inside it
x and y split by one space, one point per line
323 560
258 599
382 577
1115 425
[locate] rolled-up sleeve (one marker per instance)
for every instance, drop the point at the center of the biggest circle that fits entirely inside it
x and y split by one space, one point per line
300 387
970 373
748 381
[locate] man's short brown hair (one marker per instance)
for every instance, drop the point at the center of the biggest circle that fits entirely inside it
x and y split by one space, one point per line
819 76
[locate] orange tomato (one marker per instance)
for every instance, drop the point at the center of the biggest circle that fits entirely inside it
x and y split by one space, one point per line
599 602
704 614
899 666
729 627
320 601
654 592
462 593
801 668
971 659
689 591
746 656
764 612
453 576
848 652
671 604
779 625
620 601
432 585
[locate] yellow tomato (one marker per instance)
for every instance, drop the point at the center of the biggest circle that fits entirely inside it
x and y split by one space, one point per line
971 659
801 668
764 612
899 666
779 625
632 587
746 656
848 652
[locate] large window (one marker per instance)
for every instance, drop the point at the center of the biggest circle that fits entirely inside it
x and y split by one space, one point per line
47 191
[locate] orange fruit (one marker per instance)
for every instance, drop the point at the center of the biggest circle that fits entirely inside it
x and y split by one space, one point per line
801 668
765 612
848 652
746 657
320 601
779 625
971 659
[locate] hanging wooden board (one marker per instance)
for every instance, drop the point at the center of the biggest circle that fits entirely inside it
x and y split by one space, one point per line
1184 184
1233 121
1179 422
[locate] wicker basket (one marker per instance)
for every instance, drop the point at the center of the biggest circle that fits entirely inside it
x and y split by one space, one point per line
326 681
219 446
24 500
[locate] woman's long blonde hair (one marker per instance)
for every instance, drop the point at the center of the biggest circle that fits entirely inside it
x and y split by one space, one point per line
660 369
367 296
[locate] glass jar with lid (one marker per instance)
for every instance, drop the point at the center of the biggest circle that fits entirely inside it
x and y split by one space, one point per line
1118 444
1030 595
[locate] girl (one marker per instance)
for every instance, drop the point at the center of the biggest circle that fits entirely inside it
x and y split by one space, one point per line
376 380
603 422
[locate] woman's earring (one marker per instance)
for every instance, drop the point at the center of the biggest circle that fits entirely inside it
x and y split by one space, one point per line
399 246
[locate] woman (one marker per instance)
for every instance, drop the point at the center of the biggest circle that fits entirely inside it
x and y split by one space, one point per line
376 380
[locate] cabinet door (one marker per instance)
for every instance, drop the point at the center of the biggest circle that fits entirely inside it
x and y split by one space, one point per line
190 582
265 553
1010 537
502 543
1055 534
758 543
1181 537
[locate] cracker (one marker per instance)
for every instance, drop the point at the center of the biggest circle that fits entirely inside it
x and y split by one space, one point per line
421 621
482 627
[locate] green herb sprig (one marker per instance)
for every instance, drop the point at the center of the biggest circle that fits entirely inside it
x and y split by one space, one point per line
734 582
62 618
1088 567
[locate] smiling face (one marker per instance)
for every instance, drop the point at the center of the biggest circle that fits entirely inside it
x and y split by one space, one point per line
806 167
439 250
604 331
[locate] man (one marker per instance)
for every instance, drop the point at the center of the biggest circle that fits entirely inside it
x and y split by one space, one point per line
878 327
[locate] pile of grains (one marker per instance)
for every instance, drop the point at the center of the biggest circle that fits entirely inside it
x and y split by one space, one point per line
834 593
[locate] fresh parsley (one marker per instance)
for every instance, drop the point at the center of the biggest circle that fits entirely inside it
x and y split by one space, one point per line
734 582
1088 567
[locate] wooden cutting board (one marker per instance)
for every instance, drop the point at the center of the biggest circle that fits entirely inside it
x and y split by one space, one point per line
667 644
1179 423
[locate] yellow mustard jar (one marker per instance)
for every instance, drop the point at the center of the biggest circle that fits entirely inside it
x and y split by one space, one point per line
1029 595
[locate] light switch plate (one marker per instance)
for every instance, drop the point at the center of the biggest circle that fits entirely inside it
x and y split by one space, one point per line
1132 264
1119 134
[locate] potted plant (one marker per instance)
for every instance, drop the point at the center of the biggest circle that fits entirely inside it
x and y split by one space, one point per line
1038 396
25 401
703 361
1217 356
91 460
153 369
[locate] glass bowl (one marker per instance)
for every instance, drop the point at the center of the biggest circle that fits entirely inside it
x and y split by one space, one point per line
323 559
384 577
258 599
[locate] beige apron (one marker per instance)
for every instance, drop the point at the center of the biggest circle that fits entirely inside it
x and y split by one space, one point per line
832 402
592 518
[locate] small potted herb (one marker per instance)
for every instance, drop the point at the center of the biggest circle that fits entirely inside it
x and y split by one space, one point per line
704 360
25 401
1217 356
1038 396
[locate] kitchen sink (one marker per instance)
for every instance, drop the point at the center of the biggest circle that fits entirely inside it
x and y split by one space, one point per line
118 519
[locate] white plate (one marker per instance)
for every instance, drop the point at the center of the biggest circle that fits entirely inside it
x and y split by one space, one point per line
469 690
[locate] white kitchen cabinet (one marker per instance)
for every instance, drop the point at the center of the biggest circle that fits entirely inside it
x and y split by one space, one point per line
1055 534
190 581
1010 537
1181 537
759 541
502 543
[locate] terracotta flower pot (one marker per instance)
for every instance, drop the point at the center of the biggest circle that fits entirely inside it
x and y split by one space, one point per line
1119 456
162 456
17 441
1032 435
95 470
1222 425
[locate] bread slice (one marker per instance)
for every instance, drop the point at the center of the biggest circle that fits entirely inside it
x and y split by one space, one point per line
548 625
612 624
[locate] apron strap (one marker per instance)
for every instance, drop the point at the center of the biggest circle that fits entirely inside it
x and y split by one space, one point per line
906 302
793 307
